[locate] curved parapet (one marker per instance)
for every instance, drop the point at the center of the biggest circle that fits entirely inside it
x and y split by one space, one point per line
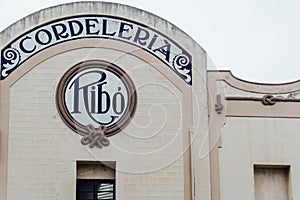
130 83
235 92
274 88
59 25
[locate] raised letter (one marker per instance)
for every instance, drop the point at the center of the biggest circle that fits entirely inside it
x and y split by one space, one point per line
76 96
105 29
60 34
100 95
23 48
152 41
122 102
141 39
165 50
123 29
72 30
93 98
37 38
89 25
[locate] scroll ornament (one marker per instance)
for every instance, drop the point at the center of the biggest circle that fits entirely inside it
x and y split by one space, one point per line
12 58
180 64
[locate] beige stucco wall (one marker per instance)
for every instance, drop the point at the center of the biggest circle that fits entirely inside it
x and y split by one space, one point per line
161 154
255 126
43 150
256 141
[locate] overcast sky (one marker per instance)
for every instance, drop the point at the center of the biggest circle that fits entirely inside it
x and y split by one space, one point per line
258 40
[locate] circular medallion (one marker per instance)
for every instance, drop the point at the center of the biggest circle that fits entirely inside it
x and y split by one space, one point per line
96 93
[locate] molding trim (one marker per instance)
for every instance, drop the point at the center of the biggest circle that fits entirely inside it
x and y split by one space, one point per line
233 81
267 100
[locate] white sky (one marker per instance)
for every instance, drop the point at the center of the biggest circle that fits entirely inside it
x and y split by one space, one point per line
258 40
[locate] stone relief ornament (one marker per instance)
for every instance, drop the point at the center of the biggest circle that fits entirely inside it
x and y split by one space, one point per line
11 58
95 136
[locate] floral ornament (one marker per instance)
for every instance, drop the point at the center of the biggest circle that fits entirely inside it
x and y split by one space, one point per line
181 63
12 57
95 137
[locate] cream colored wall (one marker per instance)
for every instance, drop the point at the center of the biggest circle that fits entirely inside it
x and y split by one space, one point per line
250 141
43 151
172 164
250 129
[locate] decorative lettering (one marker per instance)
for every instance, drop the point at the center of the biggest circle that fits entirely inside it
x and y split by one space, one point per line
22 45
76 27
97 94
59 31
43 37
124 27
97 26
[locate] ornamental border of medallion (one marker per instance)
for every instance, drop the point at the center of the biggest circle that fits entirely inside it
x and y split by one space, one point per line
83 130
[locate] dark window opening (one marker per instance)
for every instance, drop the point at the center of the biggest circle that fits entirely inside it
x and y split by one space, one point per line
95 189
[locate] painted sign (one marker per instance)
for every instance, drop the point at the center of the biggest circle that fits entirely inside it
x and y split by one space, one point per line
96 93
95 26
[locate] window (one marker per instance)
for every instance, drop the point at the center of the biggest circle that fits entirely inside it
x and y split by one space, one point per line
272 182
96 180
95 190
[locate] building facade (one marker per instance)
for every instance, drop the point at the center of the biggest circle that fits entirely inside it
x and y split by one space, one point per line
106 101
